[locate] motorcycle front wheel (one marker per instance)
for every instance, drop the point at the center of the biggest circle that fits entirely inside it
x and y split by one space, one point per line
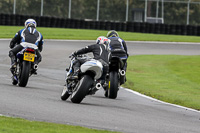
82 89
65 94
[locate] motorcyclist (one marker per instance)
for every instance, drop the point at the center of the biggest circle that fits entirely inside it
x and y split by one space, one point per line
118 44
100 52
28 34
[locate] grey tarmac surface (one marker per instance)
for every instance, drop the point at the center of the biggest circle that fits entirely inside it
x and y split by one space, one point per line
129 113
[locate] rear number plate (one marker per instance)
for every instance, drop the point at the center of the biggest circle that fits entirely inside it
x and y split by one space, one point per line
29 57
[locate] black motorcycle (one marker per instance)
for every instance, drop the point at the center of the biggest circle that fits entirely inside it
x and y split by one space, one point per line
25 66
116 74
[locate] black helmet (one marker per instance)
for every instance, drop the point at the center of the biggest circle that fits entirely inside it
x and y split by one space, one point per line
112 33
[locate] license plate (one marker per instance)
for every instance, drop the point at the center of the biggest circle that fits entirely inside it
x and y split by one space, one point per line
29 57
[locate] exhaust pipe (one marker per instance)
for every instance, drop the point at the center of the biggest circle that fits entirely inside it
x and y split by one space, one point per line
122 72
98 86
122 76
35 66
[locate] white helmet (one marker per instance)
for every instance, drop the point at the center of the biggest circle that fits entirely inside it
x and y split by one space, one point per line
102 40
30 22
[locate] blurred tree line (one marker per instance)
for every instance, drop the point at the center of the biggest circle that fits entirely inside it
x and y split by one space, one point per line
110 10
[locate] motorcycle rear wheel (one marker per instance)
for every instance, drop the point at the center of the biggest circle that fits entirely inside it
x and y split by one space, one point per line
113 85
24 73
82 89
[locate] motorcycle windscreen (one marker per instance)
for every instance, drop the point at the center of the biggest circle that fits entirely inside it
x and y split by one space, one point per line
94 66
29 57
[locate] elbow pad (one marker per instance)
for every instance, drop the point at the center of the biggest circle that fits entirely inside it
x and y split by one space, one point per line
12 44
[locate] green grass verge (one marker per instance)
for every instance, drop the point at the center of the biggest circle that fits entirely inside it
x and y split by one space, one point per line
17 125
81 34
171 78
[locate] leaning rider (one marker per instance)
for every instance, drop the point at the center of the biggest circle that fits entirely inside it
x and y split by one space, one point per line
100 52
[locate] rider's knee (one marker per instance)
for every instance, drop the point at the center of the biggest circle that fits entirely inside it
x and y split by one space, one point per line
11 54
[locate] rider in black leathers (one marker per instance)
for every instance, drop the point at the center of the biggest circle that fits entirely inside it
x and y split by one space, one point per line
100 52
118 44
28 34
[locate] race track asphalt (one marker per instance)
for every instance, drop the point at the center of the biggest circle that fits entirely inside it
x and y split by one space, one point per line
129 113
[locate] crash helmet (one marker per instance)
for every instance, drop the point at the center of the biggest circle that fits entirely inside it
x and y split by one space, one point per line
102 40
30 22
112 33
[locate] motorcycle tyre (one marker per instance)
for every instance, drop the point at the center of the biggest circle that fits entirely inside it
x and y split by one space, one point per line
24 75
113 85
82 89
65 96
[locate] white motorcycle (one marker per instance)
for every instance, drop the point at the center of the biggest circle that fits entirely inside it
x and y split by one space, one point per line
85 83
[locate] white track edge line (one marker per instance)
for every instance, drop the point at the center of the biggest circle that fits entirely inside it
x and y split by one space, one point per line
148 97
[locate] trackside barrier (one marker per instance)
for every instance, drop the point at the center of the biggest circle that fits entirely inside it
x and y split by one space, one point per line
46 21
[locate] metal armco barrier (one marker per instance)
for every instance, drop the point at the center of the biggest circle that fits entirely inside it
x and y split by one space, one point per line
46 21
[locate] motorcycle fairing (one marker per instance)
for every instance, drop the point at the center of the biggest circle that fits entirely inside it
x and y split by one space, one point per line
94 66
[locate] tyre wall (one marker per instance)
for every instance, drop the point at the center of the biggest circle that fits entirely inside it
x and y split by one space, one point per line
45 21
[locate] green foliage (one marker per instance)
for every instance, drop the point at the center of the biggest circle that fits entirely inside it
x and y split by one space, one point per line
56 8
6 6
110 10
32 6
170 78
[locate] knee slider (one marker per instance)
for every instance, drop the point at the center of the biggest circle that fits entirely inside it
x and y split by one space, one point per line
11 54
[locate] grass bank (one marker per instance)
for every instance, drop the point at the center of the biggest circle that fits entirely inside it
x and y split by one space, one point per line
17 125
171 78
82 34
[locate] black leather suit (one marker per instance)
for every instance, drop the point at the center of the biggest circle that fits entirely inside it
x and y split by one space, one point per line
100 53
